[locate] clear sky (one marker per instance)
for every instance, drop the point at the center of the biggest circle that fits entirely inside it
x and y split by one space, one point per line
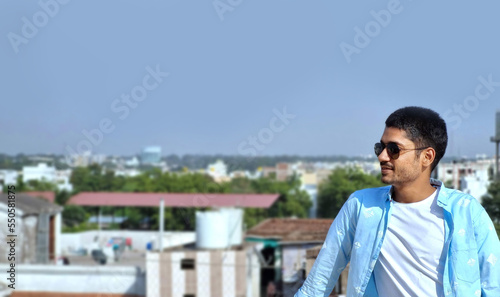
338 68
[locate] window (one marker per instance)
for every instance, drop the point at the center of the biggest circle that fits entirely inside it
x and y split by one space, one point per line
187 264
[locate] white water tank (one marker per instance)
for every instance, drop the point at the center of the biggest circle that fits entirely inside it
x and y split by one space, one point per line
211 230
235 225
219 229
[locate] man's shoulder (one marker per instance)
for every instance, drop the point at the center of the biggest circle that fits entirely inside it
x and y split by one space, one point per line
457 197
371 194
459 201
379 191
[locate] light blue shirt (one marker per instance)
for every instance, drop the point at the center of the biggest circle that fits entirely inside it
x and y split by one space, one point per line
357 233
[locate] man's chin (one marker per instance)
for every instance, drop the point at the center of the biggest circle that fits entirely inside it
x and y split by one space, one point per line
386 180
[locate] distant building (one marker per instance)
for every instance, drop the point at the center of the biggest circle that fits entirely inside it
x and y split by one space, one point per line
98 159
8 177
80 160
472 177
62 180
133 162
268 171
282 171
151 155
475 185
127 172
309 183
41 172
239 174
217 170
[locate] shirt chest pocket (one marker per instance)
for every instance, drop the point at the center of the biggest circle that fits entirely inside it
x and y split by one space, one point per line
466 266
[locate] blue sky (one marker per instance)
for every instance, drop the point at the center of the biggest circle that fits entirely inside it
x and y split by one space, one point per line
338 68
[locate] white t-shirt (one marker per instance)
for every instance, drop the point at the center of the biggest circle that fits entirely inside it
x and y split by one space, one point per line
411 261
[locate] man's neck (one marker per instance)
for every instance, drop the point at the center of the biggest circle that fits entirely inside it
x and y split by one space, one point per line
414 192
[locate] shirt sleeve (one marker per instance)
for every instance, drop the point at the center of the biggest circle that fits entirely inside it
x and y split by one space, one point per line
334 255
488 253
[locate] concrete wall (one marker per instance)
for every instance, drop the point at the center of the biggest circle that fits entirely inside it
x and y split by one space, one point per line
73 241
25 229
217 273
78 279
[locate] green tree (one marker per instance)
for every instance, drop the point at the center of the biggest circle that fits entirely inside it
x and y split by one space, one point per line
21 186
87 179
74 215
341 183
108 181
491 201
37 185
241 185
62 197
292 202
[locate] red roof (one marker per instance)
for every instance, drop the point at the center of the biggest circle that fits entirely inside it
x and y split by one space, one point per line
174 199
47 195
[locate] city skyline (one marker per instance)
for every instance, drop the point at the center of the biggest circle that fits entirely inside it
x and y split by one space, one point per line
242 79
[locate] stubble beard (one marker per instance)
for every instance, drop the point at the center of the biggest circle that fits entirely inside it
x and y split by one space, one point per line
399 178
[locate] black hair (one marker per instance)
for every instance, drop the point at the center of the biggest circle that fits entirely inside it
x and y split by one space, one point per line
423 126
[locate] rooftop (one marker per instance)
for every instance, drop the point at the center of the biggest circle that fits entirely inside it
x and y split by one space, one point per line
32 205
292 230
47 195
174 199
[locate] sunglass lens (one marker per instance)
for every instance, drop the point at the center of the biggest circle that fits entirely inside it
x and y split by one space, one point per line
378 148
393 150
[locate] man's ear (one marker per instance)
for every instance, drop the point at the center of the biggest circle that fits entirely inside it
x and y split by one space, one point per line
427 157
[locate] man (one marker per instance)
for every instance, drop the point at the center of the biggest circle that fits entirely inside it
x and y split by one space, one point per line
414 237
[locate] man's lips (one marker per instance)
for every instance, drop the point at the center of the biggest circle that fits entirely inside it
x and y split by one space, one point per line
386 167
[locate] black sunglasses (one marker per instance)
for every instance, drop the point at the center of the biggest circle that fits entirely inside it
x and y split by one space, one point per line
393 149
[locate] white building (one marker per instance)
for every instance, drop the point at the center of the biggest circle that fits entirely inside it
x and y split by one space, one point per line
8 177
127 172
133 162
475 186
62 180
472 177
45 173
217 170
41 172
